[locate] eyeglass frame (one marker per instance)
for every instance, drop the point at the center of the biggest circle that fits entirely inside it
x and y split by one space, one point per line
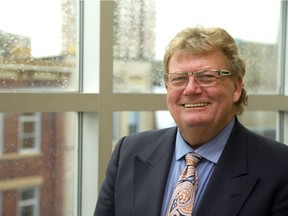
221 74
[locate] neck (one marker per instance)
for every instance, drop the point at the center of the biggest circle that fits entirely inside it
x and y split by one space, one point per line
200 135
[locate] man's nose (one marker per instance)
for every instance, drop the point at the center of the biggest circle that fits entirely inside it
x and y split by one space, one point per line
192 86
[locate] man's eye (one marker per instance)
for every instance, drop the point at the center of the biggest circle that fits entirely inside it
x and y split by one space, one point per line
180 78
206 76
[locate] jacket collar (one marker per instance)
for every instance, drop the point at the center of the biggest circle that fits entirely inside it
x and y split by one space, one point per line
230 183
150 175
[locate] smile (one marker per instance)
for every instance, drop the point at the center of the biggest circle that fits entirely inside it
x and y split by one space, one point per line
195 105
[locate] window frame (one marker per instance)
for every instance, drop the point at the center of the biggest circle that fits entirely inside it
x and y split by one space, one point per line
36 134
35 201
1 133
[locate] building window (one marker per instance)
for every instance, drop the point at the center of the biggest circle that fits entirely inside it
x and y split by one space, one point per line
29 132
28 202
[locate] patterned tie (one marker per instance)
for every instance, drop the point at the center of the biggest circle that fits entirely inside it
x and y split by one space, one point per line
184 193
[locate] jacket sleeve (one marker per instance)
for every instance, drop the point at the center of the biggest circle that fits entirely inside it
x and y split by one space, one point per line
105 204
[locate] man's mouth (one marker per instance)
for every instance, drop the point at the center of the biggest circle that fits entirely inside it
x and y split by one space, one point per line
195 105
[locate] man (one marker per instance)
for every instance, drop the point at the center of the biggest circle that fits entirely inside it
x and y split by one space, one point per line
239 173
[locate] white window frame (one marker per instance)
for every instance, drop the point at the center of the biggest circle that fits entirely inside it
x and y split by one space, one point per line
35 201
36 134
1 134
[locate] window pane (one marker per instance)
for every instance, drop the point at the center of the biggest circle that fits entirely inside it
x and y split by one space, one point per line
127 123
29 132
142 29
27 194
39 181
28 202
27 211
38 55
261 122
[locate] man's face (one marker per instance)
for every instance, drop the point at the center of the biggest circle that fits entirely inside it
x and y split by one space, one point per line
195 106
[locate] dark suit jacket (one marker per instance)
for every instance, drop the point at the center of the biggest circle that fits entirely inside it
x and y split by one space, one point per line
250 178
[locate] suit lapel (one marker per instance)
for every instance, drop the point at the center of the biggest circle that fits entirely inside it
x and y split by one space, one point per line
230 184
150 176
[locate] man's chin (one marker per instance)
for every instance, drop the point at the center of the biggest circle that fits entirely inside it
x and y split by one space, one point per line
194 123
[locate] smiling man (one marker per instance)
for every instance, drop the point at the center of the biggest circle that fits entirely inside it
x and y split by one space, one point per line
209 164
203 102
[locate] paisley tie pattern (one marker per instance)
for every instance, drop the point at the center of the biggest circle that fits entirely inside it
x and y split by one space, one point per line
185 191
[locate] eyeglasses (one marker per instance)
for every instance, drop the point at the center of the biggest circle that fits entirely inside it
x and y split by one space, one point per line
204 78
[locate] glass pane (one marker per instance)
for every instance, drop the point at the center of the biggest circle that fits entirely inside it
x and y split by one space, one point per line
261 122
38 49
44 180
27 194
142 29
29 127
127 123
28 143
27 211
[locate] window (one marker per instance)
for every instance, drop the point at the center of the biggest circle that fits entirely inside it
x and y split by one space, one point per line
262 122
139 64
29 132
69 73
40 59
28 202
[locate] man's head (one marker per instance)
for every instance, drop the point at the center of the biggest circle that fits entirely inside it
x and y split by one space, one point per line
201 41
204 81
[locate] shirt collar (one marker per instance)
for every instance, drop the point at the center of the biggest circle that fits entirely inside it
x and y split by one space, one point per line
211 151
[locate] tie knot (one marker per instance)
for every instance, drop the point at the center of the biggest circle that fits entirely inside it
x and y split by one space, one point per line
192 159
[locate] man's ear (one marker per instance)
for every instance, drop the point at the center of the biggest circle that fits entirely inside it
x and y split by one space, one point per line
238 84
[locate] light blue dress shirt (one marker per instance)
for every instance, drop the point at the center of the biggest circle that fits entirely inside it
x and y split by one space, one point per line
210 153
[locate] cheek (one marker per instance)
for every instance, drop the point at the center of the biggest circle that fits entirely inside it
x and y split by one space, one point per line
170 101
222 99
172 96
230 92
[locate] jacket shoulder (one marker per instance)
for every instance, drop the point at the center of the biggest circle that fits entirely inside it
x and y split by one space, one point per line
260 141
146 140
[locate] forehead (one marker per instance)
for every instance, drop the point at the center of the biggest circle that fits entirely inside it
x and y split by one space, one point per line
184 61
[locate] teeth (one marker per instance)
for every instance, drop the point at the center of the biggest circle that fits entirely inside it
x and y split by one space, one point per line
195 105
